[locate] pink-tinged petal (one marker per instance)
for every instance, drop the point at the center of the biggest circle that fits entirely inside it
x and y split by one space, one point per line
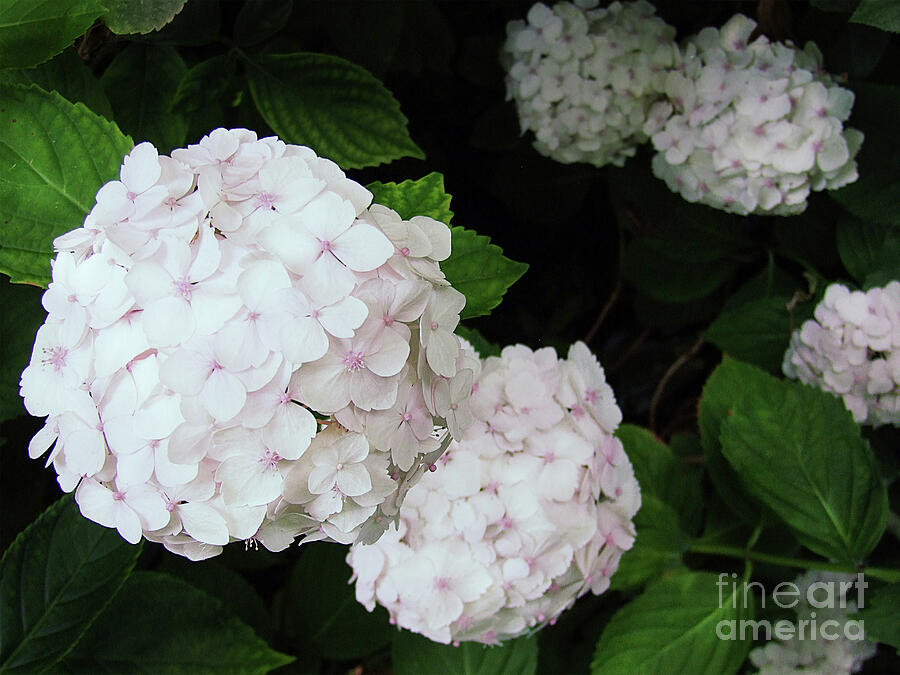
260 281
294 246
171 474
442 352
141 169
145 202
207 256
380 427
371 392
187 444
85 451
149 504
325 385
558 480
223 395
404 447
363 247
135 468
254 379
325 504
149 281
342 318
95 502
128 523
321 479
290 430
186 372
411 299
327 216
298 194
328 280
158 417
203 523
117 344
120 435
389 359
471 583
225 217
352 448
303 340
168 321
43 439
438 233
74 322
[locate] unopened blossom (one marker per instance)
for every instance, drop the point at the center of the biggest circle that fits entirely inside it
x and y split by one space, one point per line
585 79
837 644
219 332
753 127
851 348
501 538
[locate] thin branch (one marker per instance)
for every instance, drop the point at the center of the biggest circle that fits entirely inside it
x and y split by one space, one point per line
657 394
603 312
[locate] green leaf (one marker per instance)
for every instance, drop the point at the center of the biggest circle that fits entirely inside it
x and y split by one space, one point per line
883 14
479 270
673 627
331 105
882 615
32 31
659 545
21 314
869 251
204 84
224 584
321 607
139 16
720 392
413 654
197 24
66 74
54 156
423 197
55 579
874 197
835 502
141 83
161 624
259 20
663 475
757 332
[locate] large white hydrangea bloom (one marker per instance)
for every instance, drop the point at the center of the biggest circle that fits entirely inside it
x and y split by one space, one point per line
755 125
825 649
240 345
528 512
852 349
584 79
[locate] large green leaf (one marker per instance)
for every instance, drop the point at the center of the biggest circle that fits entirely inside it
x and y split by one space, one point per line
720 392
141 83
413 654
32 31
331 105
21 314
882 615
423 197
663 475
659 545
320 607
205 83
757 332
54 156
55 579
874 197
479 270
883 14
674 627
140 16
161 624
66 74
869 251
799 451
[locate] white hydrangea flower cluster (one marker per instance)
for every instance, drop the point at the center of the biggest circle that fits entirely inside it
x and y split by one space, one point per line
819 654
852 349
754 126
240 346
528 512
584 78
